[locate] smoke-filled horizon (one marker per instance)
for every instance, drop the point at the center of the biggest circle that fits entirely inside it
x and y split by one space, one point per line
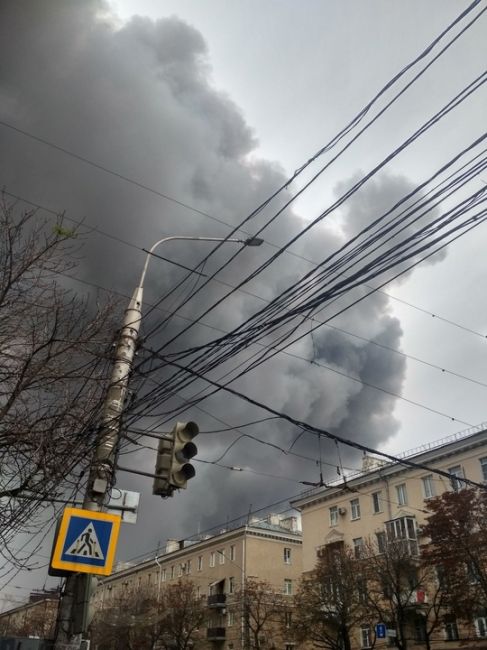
139 99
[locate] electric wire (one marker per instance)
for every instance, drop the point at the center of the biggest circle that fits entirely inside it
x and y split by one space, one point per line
327 434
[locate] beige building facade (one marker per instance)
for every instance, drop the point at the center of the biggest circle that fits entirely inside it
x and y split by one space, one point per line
385 499
219 566
36 619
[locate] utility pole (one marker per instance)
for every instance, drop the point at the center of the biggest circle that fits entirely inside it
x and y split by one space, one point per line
102 467
103 463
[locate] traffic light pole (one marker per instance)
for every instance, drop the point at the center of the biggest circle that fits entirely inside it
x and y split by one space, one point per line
102 467
71 619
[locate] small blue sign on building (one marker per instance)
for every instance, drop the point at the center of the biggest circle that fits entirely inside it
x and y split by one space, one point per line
381 631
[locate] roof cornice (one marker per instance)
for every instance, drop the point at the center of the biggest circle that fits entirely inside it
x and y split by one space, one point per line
437 454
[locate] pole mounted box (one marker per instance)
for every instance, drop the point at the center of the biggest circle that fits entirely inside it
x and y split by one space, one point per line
173 469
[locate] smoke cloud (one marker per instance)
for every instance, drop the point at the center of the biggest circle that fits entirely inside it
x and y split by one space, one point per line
139 100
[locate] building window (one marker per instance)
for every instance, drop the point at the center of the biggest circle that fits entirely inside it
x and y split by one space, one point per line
288 587
358 545
163 575
481 626
483 467
428 486
441 578
420 630
212 559
333 515
473 572
198 592
221 556
287 556
289 646
376 502
172 572
362 589
457 474
232 552
230 619
402 495
355 509
200 563
381 542
180 570
288 619
365 636
451 631
231 585
188 567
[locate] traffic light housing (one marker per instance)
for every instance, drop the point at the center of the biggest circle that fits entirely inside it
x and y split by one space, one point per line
173 469
161 485
183 451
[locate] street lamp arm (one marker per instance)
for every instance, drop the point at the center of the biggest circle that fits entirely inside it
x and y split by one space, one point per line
251 241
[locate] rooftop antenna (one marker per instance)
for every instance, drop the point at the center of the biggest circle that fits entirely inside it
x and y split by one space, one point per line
321 461
249 513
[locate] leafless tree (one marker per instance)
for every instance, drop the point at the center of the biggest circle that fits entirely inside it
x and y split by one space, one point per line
402 590
331 600
264 611
139 618
181 615
456 534
37 620
54 357
128 621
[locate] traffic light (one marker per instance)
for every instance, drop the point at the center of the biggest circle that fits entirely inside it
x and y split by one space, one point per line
172 467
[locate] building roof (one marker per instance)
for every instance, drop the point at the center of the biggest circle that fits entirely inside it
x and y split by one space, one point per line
261 528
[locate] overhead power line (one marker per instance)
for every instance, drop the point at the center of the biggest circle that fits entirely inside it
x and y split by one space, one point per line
450 234
318 431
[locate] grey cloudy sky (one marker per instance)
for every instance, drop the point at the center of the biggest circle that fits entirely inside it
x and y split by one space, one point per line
215 104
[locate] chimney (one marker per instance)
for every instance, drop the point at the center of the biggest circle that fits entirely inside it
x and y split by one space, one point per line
172 545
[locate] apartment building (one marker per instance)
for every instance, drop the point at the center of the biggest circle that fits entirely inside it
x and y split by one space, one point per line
37 618
219 565
386 500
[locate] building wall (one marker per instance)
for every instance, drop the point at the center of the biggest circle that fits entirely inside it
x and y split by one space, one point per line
32 619
226 561
468 453
315 508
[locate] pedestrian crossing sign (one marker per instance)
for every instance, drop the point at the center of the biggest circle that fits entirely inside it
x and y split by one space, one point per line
86 541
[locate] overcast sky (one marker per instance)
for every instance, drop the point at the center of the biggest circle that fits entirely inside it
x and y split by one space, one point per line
215 104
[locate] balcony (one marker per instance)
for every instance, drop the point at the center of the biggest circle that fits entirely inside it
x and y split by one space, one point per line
217 600
215 634
417 597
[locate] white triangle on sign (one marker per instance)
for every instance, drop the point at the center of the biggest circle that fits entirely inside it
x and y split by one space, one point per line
87 544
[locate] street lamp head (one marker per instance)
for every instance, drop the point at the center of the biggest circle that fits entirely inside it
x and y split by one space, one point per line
254 241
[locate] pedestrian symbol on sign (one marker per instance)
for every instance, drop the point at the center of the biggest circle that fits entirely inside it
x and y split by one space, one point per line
86 544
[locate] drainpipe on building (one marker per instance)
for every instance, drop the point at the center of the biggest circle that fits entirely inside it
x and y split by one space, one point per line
244 594
388 493
156 560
